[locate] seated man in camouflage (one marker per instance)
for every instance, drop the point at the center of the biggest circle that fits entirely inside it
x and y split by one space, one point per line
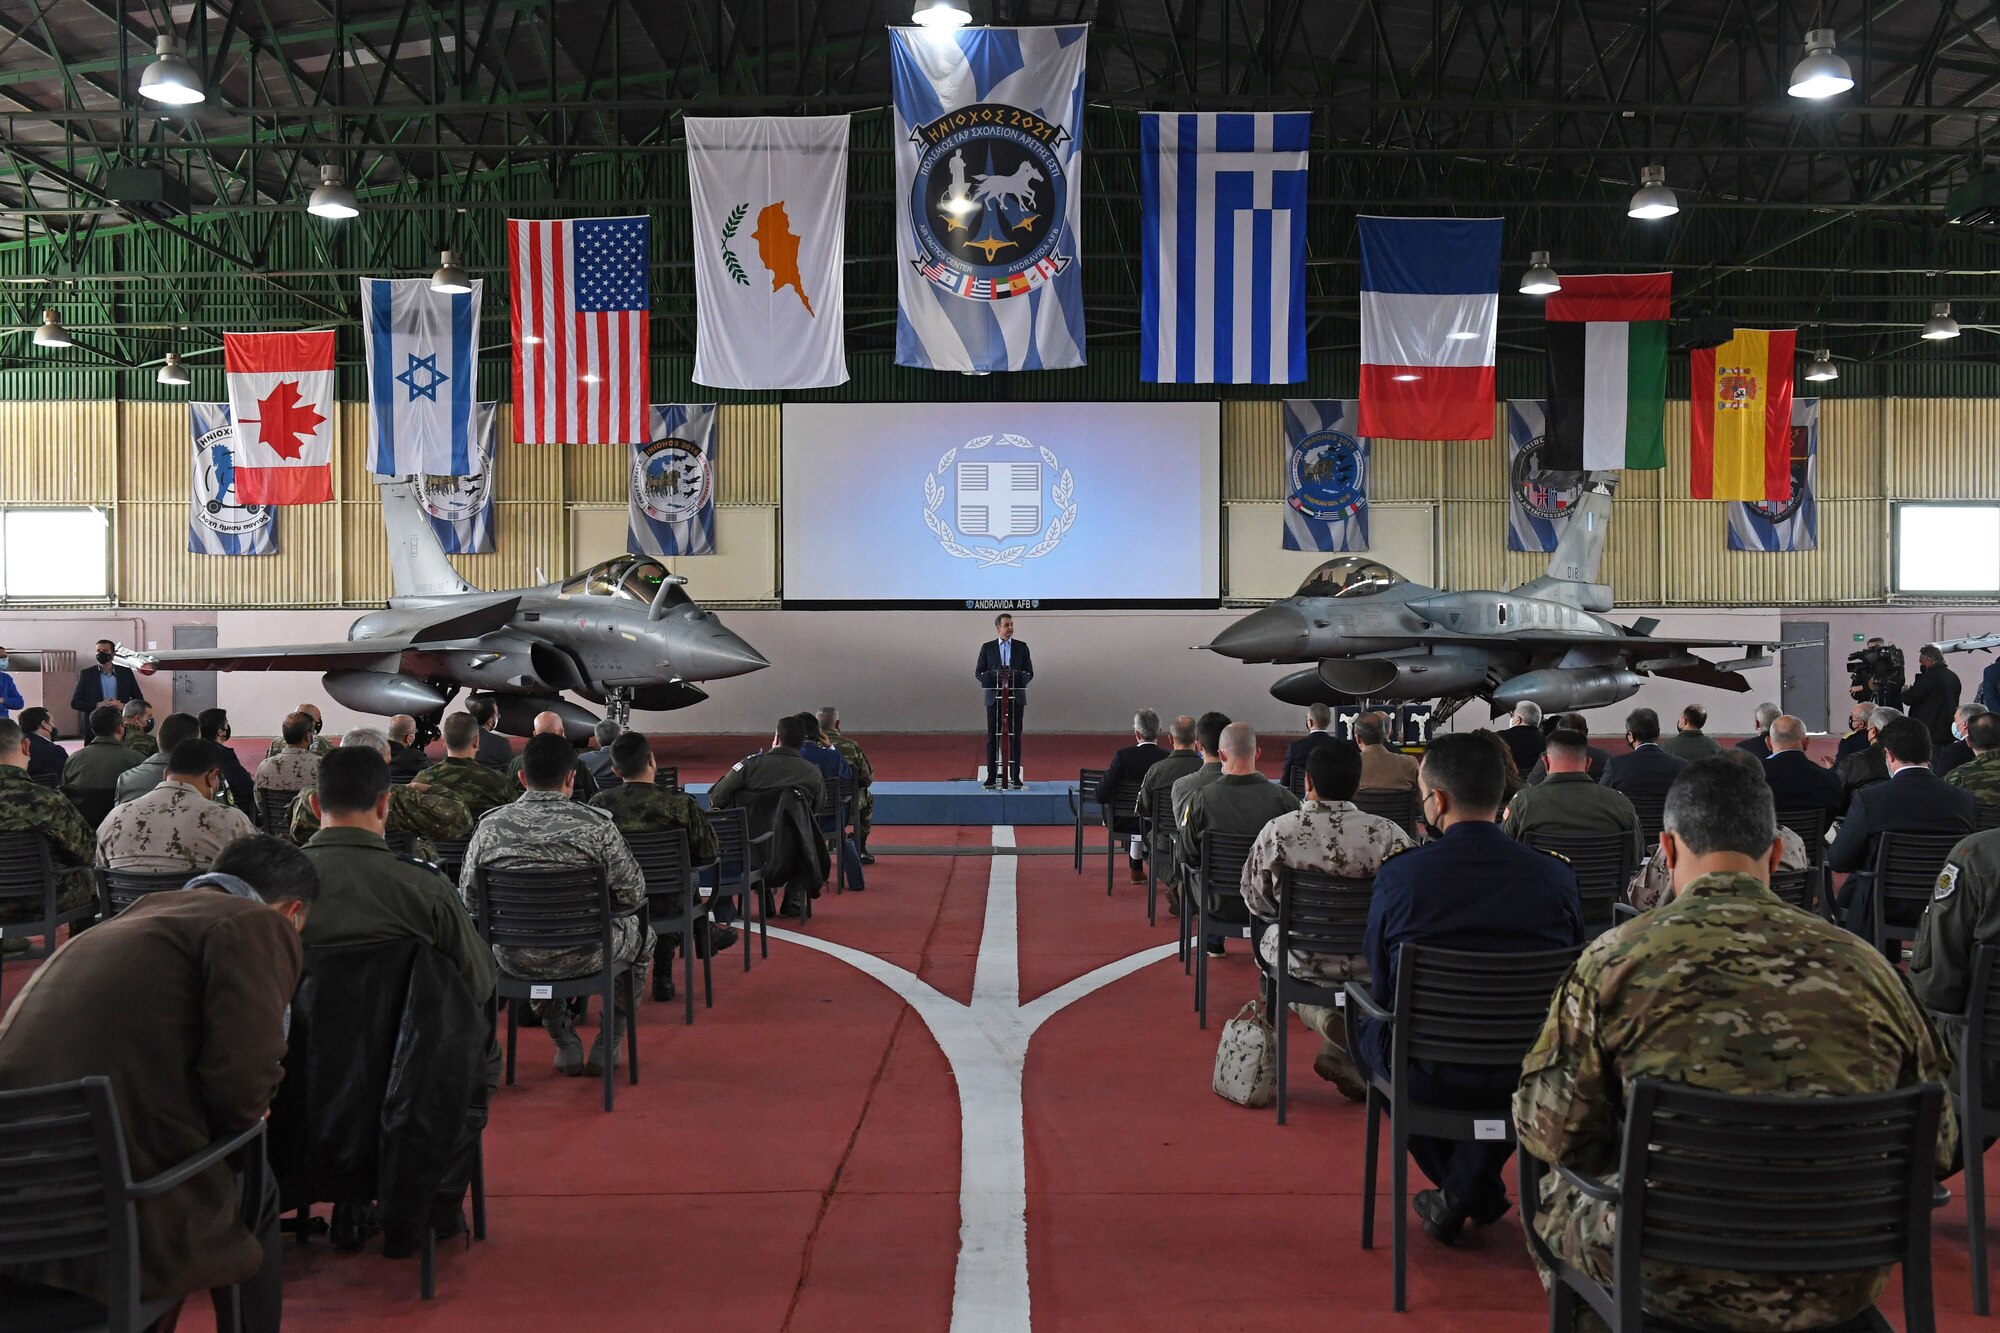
546 829
460 774
292 767
26 807
1329 835
864 775
139 728
415 811
638 804
177 825
315 742
1724 988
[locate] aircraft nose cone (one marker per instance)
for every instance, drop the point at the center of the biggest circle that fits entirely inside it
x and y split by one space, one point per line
714 653
1268 635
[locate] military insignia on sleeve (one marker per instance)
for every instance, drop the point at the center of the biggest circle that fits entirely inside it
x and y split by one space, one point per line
1947 883
1392 855
1557 855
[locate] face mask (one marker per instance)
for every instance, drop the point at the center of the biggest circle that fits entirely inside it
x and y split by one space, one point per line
104 659
149 723
317 726
5 662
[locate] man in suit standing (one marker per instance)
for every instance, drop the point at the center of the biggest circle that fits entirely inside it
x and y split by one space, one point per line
1319 722
1002 659
1647 772
1989 687
104 683
1913 800
1128 771
1524 738
1933 695
1797 783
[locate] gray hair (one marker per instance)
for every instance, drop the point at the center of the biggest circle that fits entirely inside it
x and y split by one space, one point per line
1766 714
1184 731
1883 715
1239 742
136 707
607 731
1371 729
1146 723
1319 716
370 737
1787 730
1719 806
1966 712
1529 713
829 718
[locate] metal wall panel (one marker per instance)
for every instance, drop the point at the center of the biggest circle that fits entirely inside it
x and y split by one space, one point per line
59 453
746 439
1945 449
156 569
1253 451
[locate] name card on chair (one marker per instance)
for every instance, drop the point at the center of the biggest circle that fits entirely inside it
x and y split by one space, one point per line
1489 1129
541 992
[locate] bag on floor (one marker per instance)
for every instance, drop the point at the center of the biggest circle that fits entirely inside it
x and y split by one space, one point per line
1246 1061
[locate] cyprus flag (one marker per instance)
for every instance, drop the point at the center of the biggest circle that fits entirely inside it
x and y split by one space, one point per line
770 208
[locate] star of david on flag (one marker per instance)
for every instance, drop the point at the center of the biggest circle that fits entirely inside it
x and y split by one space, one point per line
423 368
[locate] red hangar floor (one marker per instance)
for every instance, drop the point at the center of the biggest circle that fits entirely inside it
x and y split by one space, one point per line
804 1158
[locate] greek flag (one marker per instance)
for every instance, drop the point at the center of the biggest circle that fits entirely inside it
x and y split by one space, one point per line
1223 233
672 510
1791 524
1537 507
217 523
423 370
989 199
1326 471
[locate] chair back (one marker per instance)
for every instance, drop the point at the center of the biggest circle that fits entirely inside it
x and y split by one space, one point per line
1652 811
93 803
64 1178
1810 825
1120 803
1320 913
1222 858
1906 867
665 775
544 907
400 841
27 876
1295 780
1399 806
669 870
836 806
274 810
1603 866
1795 886
1473 1008
1989 816
732 842
122 888
1083 796
1980 1036
46 779
450 856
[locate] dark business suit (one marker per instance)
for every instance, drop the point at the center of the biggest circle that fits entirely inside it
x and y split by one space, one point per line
1989 688
1932 699
1913 800
1950 757
407 761
1128 768
992 661
1759 745
1644 774
1525 744
1297 752
89 693
45 757
1797 783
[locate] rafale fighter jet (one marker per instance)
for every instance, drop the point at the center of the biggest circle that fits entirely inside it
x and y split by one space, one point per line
621 634
1374 635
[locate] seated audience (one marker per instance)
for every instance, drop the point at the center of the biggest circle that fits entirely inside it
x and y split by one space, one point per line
1914 799
1980 774
460 774
414 809
1573 722
864 773
1319 730
1724 988
1796 782
315 742
1856 739
28 807
143 777
177 825
1647 771
293 767
598 757
757 784
1689 741
1654 882
1241 800
1128 770
406 757
90 778
1759 742
1184 758
1958 750
1472 889
495 750
184 998
547 828
1867 766
45 757
1330 836
831 764
1524 738
1382 769
1569 802
139 727
551 724
242 788
1208 741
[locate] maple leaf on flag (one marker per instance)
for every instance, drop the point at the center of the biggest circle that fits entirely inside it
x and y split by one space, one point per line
283 417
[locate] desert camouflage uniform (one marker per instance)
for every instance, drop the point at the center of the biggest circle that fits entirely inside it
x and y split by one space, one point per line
172 827
1652 883
424 815
141 743
477 787
1729 989
288 770
546 829
864 777
1979 775
647 807
319 745
26 807
1330 838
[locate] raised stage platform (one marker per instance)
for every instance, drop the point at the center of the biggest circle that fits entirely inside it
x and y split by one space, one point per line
963 802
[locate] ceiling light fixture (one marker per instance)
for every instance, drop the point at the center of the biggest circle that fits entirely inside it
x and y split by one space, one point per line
52 333
170 80
1653 199
1937 328
450 279
173 372
1822 367
1822 73
1540 279
332 198
945 14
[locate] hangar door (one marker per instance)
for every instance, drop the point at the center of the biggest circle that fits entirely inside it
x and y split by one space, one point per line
1803 673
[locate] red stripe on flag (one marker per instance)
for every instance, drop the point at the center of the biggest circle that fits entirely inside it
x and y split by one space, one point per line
516 313
276 353
1611 298
564 359
1701 450
284 485
1441 403
610 378
640 392
1778 367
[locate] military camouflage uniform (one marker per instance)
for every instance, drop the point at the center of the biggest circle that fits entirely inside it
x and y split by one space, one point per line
172 827
141 743
1964 913
423 815
1979 775
477 787
547 829
319 745
288 770
647 807
1729 989
1652 883
864 776
26 807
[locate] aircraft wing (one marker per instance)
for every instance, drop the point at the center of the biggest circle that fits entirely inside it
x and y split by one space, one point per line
1987 642
449 624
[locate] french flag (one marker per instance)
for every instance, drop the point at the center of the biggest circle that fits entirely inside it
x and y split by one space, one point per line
1430 306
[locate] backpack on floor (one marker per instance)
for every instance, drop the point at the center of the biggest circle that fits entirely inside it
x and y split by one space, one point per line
1246 1060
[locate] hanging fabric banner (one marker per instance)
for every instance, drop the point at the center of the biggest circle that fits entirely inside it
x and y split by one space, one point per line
1539 499
989 204
672 510
281 401
1326 474
460 507
1791 524
1430 320
1741 410
423 372
218 522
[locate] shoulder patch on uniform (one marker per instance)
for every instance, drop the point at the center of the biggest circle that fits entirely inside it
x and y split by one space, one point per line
1557 855
1947 883
1392 855
738 766
411 858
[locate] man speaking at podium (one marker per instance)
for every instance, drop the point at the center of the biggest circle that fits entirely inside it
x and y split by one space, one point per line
1005 668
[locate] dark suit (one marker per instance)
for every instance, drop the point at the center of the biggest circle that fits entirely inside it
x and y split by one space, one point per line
1989 688
89 693
45 757
988 670
1525 744
407 761
1864 768
1797 783
495 751
1644 774
1854 742
1297 751
1759 745
1932 698
1914 800
242 787
1128 769
1950 757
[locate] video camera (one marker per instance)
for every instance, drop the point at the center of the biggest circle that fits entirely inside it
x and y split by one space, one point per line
1875 673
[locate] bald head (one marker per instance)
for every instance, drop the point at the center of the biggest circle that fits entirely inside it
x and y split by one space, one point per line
402 728
549 724
1238 748
1183 732
1787 733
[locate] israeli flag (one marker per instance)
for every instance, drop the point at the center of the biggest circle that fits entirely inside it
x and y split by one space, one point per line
672 509
1326 474
217 523
423 370
1223 236
1792 524
1538 503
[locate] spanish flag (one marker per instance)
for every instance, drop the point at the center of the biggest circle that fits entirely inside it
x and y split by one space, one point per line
1742 413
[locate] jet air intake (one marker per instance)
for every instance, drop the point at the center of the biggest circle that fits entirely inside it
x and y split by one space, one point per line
1560 689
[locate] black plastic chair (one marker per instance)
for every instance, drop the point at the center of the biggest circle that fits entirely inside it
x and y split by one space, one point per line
28 876
1799 888
1219 874
1478 1009
838 810
558 907
1295 780
1082 806
1398 806
1906 867
1989 817
668 776
274 811
1603 866
736 875
1652 812
450 856
1811 826
67 1193
1977 1033
671 897
1159 822
1319 914
119 889
46 779
1779 1185
1120 806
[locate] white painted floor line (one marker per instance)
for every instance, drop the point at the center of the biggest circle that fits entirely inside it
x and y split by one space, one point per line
986 1044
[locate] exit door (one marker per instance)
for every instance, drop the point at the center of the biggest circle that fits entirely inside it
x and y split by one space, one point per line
194 691
1802 673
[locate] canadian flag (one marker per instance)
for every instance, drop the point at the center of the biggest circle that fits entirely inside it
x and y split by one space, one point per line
281 399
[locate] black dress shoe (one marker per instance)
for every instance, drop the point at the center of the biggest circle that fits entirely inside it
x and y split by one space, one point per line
991 784
1492 1212
663 981
867 858
1442 1216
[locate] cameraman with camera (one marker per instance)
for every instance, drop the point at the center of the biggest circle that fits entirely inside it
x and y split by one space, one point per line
1875 674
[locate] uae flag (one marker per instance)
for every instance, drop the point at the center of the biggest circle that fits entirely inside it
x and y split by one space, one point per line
1607 340
1742 409
281 399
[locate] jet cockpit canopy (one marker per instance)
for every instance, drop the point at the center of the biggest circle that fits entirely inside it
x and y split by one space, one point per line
1349 576
635 578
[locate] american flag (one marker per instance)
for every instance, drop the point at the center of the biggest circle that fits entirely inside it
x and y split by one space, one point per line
581 339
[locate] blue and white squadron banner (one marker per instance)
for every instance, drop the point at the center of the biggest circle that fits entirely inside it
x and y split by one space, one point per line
1223 235
423 370
217 523
1787 525
1538 500
673 482
1326 476
988 197
460 507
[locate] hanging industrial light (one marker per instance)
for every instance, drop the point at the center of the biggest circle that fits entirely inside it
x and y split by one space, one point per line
1822 367
450 279
52 333
170 80
1940 325
1653 199
941 14
173 372
1822 73
1540 279
332 198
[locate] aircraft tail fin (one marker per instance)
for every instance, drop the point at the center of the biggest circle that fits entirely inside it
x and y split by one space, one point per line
1572 573
417 562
